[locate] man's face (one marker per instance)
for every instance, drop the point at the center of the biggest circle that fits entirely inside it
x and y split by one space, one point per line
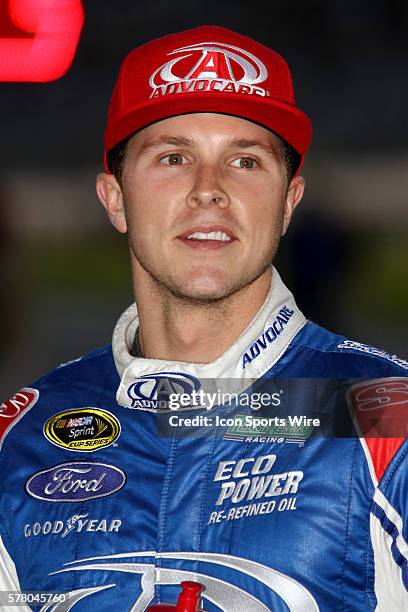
206 201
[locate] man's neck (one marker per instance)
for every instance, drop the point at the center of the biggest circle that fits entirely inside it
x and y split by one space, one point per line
176 330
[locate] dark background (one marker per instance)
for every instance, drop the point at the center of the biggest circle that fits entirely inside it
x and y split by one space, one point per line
64 273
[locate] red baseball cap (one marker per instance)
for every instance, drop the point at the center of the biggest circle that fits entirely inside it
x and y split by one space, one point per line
206 69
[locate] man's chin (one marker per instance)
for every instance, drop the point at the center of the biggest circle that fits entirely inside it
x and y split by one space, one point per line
205 293
206 289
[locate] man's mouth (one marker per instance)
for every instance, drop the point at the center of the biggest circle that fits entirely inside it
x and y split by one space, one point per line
209 236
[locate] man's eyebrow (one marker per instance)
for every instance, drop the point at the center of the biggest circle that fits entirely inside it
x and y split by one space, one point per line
178 141
246 143
181 141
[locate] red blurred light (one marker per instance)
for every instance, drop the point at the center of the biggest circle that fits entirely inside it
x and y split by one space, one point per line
46 55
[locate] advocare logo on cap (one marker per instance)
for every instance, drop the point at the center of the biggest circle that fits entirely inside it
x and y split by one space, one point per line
209 66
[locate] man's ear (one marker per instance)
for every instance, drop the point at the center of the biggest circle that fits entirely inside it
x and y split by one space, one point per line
111 197
293 196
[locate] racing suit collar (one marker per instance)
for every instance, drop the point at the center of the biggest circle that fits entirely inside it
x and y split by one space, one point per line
255 351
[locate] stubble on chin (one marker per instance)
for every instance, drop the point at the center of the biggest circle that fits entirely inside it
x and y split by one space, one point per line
167 287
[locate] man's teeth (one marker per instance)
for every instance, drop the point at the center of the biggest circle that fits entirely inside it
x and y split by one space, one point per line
209 236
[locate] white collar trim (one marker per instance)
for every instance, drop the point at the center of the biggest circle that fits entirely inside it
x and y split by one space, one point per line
254 352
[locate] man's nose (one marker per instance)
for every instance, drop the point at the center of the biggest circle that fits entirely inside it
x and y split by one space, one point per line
207 189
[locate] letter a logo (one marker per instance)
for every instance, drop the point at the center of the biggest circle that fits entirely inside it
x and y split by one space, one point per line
212 65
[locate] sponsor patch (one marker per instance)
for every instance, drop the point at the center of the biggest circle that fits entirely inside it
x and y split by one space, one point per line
77 523
151 392
248 428
82 429
380 407
370 350
268 336
215 67
179 566
14 408
249 487
75 482
379 410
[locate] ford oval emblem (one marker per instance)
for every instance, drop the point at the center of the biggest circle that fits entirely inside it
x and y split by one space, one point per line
75 482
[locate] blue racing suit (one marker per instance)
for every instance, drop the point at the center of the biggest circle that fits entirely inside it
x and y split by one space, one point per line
97 504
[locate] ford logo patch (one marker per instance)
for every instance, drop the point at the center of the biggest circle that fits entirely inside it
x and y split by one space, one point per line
75 482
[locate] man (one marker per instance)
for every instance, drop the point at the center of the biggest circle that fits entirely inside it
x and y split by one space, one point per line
204 145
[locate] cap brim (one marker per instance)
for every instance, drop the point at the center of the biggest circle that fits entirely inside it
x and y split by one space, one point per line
286 120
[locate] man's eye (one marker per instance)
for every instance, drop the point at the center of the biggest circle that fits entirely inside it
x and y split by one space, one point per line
173 159
245 162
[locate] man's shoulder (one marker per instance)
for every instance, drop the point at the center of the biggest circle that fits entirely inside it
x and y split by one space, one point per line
317 352
94 369
91 380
